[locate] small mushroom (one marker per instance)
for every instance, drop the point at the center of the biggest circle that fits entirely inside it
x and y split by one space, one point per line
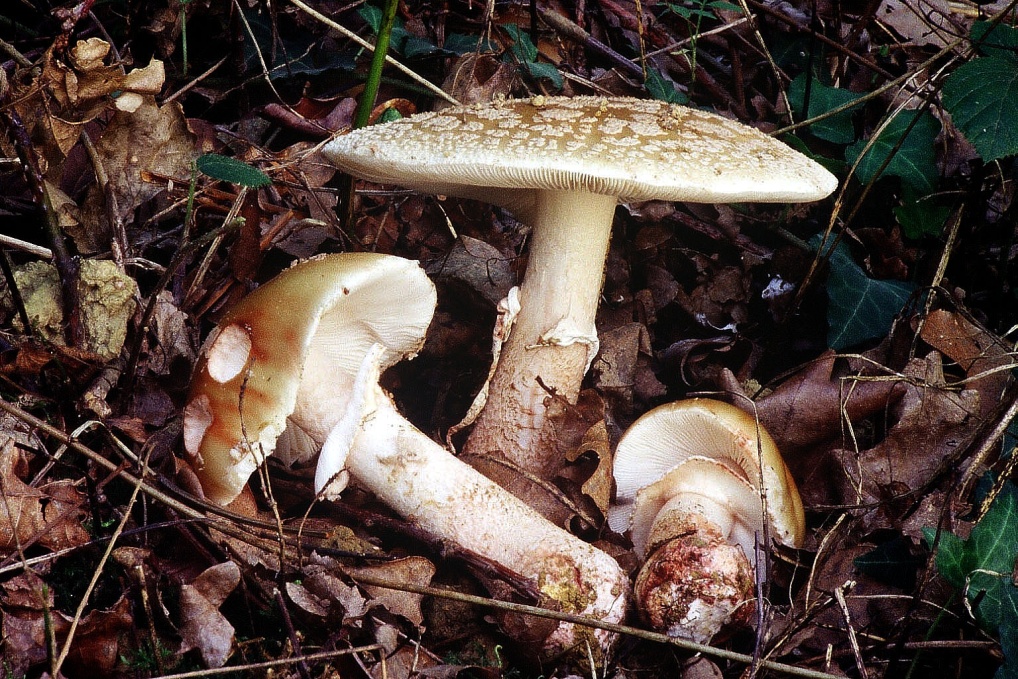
561 165
305 351
699 485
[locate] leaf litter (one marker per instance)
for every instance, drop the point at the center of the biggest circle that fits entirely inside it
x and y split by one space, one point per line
882 437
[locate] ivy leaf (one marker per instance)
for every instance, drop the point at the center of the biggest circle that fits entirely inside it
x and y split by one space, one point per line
839 128
982 98
950 556
859 308
662 89
892 562
984 567
914 160
525 52
921 218
1001 41
231 170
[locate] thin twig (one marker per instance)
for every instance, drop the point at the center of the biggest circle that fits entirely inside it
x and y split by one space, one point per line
229 528
435 89
561 616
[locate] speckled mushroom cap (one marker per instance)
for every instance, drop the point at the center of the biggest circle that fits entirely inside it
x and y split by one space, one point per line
635 149
288 354
703 435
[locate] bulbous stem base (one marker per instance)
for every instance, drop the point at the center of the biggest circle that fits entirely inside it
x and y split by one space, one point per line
696 584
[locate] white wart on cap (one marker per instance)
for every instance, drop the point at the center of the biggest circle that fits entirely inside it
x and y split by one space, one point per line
562 164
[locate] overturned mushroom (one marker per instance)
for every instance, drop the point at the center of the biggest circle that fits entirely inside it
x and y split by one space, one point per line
305 350
561 165
700 485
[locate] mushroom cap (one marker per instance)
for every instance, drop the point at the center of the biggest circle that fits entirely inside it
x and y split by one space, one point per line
651 455
288 355
635 149
709 487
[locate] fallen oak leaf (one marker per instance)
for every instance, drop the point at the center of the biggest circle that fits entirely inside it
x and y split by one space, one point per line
49 515
986 360
930 424
810 407
203 626
415 570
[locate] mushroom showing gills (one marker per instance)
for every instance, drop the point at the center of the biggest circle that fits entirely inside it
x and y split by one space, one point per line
699 485
304 352
561 165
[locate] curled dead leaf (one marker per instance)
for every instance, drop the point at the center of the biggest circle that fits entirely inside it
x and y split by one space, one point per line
49 515
203 626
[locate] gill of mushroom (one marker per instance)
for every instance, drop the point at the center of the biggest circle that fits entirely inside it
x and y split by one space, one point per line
561 165
303 353
699 485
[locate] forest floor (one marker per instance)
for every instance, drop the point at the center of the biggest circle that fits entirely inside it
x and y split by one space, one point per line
871 331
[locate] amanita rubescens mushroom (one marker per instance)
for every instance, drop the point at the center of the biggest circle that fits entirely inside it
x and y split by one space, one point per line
561 165
699 485
305 351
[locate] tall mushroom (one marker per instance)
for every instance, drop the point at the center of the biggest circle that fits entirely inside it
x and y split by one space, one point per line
561 165
305 351
700 484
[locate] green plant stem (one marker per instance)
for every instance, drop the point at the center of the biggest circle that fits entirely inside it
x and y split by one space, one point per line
367 101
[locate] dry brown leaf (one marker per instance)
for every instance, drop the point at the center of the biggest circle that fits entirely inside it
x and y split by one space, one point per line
49 514
202 625
478 265
152 140
596 484
986 360
478 78
415 570
27 622
930 22
930 424
614 368
808 408
322 582
402 660
306 601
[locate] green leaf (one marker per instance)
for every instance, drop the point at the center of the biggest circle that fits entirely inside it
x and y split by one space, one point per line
231 170
1002 41
950 557
921 218
913 161
662 89
839 128
983 566
460 44
526 53
982 98
1008 633
994 540
892 562
522 48
859 308
547 71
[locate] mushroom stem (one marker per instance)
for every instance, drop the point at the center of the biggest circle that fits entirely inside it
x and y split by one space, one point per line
445 496
554 338
696 584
